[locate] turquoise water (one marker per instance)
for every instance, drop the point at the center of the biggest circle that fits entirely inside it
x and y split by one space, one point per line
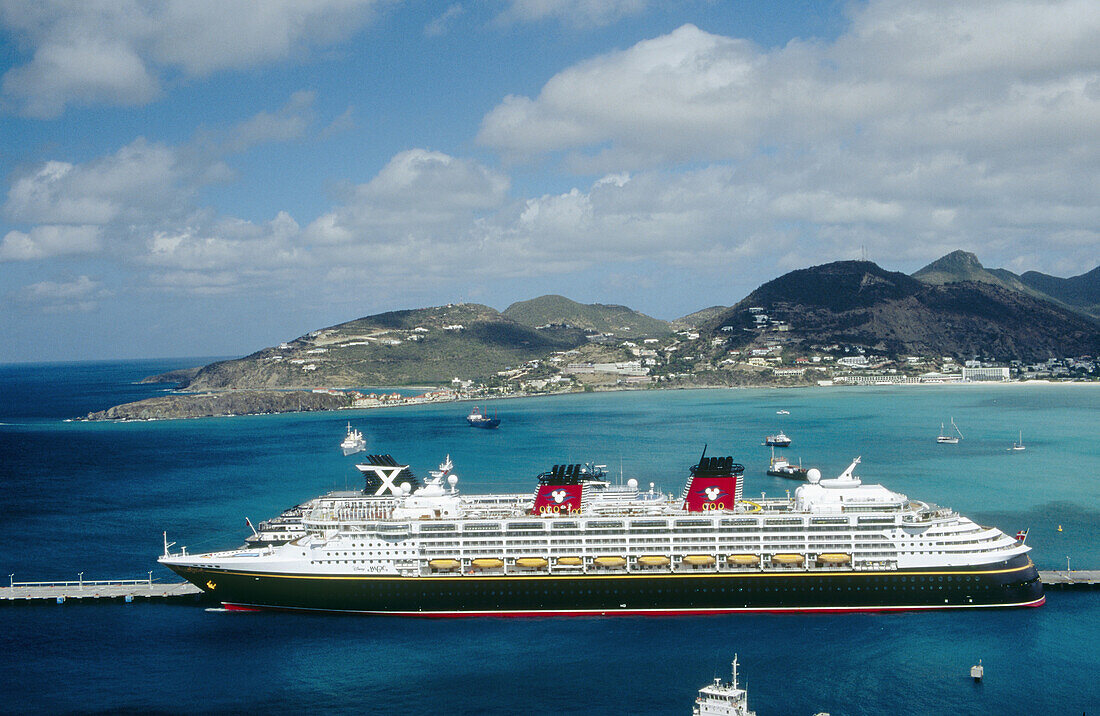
94 497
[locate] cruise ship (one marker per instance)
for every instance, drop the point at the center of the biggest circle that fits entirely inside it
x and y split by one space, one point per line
580 544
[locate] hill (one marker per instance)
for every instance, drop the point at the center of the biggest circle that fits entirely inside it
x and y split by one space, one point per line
959 266
601 318
1082 291
859 303
698 318
427 346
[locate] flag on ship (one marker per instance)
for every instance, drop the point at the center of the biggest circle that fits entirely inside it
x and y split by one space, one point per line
1022 534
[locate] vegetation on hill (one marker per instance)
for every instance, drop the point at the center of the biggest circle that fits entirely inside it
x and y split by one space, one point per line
698 318
429 346
601 318
859 303
1082 292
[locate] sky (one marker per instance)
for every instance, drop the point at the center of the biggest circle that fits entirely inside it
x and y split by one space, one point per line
209 177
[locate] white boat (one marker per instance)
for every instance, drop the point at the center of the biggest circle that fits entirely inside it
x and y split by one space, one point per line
723 698
945 439
1019 445
782 412
353 442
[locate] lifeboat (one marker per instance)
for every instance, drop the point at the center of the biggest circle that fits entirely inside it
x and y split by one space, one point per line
834 558
569 561
532 562
609 562
788 559
487 563
743 559
653 560
700 559
444 563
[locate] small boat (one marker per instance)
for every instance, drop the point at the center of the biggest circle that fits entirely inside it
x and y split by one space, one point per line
945 439
353 442
478 419
723 698
782 467
1019 444
782 412
977 671
780 439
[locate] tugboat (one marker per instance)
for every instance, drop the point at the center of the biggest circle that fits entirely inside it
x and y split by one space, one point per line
782 467
945 439
722 698
478 419
780 439
353 442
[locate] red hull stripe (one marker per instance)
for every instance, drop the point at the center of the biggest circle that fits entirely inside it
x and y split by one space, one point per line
639 612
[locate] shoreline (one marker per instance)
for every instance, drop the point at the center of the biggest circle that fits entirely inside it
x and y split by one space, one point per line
411 401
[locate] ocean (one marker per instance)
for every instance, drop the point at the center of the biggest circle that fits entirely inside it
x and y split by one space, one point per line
96 497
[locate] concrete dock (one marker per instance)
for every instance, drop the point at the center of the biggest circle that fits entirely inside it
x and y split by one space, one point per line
1075 579
82 590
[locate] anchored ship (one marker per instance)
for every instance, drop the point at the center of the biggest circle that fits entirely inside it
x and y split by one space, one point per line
780 439
478 419
353 442
583 545
723 698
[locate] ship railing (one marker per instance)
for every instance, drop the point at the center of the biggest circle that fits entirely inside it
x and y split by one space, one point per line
87 583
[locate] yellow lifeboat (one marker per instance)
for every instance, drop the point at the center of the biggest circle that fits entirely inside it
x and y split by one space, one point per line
534 562
444 563
609 562
699 559
568 561
653 560
743 559
834 558
487 563
788 559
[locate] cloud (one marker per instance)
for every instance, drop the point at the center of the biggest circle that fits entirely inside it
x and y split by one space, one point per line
81 294
973 77
143 189
289 122
417 195
47 241
141 179
441 25
922 128
579 14
122 53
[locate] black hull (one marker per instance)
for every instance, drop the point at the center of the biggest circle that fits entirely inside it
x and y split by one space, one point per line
1007 584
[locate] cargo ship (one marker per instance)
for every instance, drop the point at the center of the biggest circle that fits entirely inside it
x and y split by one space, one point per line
580 544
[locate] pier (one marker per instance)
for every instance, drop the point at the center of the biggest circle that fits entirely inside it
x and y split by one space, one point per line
85 590
1067 579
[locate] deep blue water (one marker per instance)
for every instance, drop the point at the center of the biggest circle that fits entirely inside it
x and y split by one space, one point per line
94 497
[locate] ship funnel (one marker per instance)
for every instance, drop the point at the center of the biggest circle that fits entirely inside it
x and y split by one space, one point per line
715 484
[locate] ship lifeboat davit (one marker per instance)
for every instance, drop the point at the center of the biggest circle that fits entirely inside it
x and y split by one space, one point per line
701 559
834 558
609 562
569 561
531 562
788 559
654 560
444 564
487 563
743 559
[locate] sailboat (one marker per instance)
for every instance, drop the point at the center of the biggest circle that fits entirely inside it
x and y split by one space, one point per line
1019 445
945 439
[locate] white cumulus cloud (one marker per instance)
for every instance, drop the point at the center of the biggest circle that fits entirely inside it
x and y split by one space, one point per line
120 52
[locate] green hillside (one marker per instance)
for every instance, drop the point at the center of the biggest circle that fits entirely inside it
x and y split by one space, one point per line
560 311
427 346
